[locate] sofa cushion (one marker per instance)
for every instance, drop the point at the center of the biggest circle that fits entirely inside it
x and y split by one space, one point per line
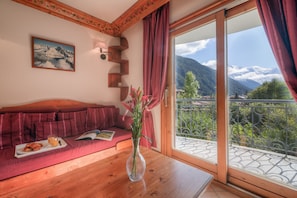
111 116
30 119
101 118
11 130
124 122
95 118
63 128
79 117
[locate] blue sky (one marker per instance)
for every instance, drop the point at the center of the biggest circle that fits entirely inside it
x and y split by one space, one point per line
245 48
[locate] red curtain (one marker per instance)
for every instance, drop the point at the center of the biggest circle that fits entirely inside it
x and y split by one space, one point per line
155 57
279 18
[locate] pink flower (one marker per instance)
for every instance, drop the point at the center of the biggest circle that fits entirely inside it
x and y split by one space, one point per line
137 105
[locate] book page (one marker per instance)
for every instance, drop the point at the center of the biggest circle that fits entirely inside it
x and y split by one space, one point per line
105 135
88 135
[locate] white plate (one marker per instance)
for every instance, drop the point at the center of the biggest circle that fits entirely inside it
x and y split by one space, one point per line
19 152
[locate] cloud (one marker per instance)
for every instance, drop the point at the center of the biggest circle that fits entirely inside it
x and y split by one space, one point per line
255 73
190 48
211 63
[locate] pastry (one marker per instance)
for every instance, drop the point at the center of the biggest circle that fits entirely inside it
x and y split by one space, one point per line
34 146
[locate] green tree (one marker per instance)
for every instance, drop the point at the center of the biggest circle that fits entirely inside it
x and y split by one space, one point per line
271 90
191 86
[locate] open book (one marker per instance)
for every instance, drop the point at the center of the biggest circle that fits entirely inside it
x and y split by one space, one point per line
97 135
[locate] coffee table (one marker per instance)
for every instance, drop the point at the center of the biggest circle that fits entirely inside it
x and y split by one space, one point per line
164 177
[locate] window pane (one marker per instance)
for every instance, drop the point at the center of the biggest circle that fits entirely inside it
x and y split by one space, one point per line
262 127
195 78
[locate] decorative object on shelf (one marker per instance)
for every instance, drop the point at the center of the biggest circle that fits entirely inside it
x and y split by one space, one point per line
52 55
135 164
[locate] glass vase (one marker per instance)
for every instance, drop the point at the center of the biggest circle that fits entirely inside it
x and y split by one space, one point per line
135 164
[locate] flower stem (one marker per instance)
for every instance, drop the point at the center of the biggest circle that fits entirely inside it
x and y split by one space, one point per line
135 147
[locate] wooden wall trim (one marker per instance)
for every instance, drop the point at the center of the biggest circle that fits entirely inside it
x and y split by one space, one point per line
70 14
134 14
137 12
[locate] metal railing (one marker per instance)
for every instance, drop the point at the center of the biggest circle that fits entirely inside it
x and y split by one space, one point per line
269 125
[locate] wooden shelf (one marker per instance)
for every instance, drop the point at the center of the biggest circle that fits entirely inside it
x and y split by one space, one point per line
124 67
115 55
115 52
114 79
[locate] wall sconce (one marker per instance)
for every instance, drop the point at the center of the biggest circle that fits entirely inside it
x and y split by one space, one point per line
101 46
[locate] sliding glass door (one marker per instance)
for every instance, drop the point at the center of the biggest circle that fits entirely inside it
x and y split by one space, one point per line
232 113
262 129
195 79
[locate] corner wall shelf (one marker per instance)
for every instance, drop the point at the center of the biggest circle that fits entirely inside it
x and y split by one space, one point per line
115 55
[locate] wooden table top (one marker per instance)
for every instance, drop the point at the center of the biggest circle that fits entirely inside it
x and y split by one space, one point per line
164 177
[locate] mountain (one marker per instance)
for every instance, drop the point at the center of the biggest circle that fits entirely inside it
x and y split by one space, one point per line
206 77
249 83
251 76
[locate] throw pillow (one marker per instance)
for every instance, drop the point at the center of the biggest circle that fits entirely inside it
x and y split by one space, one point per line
95 118
79 117
102 117
30 119
63 128
124 122
11 130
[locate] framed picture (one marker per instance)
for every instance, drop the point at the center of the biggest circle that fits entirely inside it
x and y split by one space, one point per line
52 55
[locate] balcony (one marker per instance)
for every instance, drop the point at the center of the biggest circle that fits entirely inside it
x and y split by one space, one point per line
262 135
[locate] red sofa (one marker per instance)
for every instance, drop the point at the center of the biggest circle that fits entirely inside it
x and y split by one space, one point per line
65 118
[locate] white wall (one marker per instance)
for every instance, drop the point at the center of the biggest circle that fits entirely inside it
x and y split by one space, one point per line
134 35
20 83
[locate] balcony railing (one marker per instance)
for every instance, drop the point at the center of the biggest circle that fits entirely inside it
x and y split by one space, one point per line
269 125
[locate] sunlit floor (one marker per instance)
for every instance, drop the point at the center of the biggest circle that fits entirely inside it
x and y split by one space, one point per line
214 191
278 167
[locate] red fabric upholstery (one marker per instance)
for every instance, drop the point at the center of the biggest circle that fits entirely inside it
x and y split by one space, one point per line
63 128
11 130
29 123
95 118
79 117
124 122
111 114
11 166
101 118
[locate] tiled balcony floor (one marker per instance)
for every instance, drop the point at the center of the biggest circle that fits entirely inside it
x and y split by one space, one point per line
271 165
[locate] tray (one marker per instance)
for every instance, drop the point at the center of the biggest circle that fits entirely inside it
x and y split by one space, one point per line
19 153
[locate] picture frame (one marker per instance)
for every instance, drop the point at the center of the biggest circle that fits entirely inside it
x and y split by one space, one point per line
47 54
